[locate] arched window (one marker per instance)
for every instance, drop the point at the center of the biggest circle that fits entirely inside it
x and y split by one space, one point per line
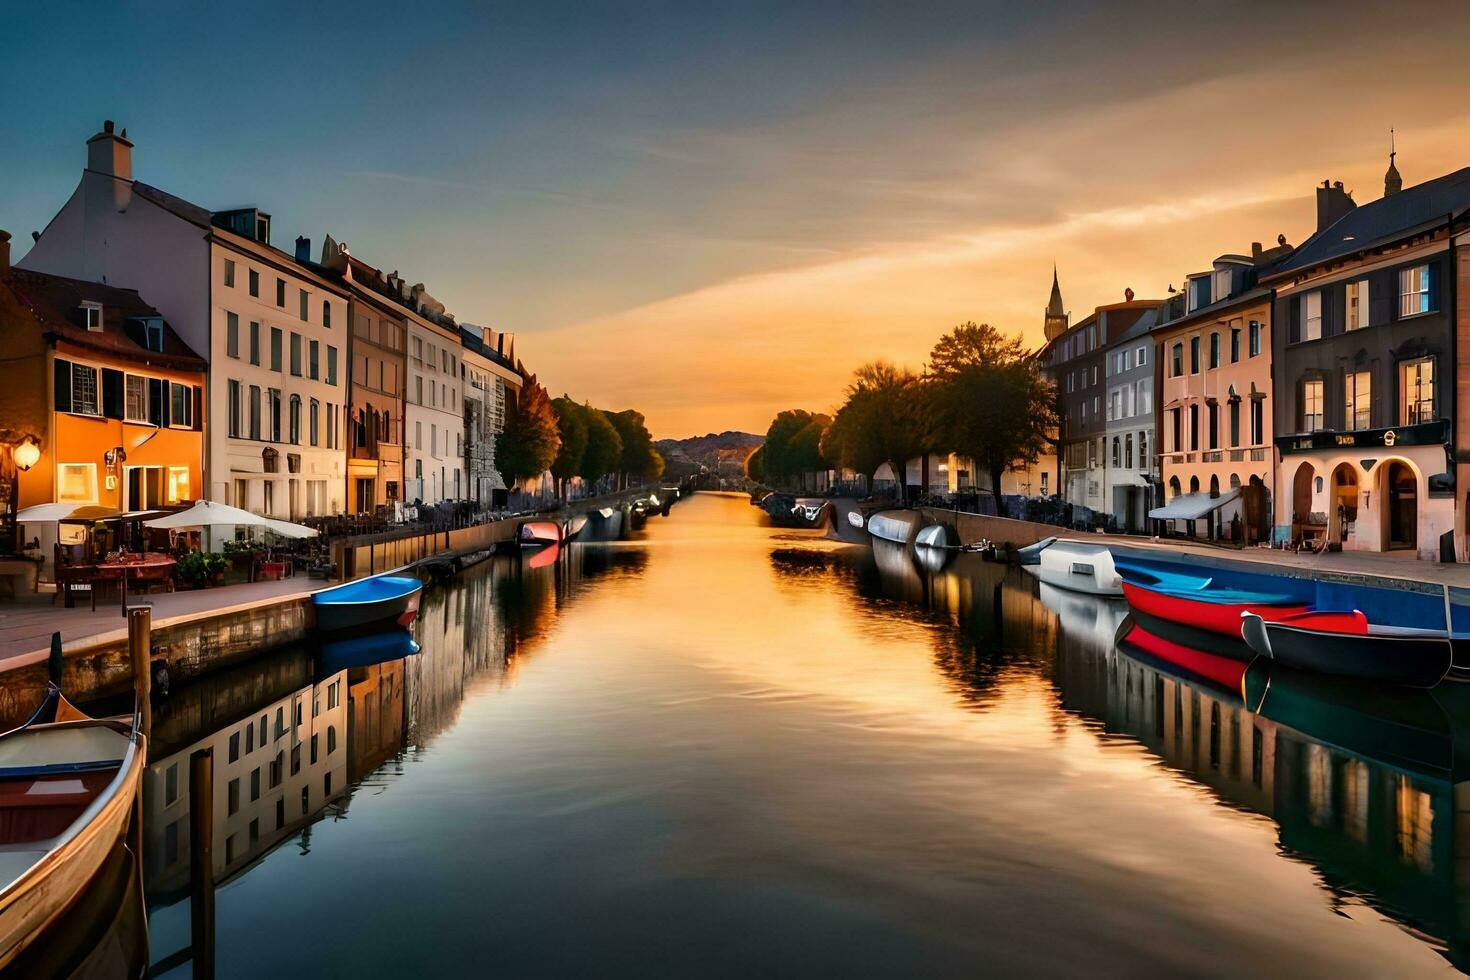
1214 486
1234 481
326 313
1194 484
1117 452
1128 450
315 422
1215 350
295 420
1174 489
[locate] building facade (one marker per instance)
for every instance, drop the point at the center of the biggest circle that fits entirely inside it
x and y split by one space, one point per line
272 330
1214 355
434 452
107 394
1366 372
1130 477
489 381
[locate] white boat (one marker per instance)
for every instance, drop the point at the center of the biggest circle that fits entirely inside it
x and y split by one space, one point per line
68 784
897 526
937 536
1078 566
855 519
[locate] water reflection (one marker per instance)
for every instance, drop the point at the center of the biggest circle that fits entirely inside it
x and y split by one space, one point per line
724 749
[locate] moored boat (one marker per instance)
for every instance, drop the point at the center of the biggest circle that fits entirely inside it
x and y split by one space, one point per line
535 534
1346 645
1208 602
938 536
68 785
1031 554
1077 566
896 526
367 603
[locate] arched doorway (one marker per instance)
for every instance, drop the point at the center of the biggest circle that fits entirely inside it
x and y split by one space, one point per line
1174 488
1401 499
1301 493
1194 484
1342 514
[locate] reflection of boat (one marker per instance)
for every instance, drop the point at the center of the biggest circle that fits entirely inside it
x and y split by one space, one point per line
809 509
1077 566
897 526
1223 672
544 557
68 784
364 651
535 534
367 603
1031 554
1092 619
1345 645
938 536
575 524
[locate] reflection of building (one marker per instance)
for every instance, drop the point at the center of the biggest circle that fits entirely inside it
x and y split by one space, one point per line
274 769
1365 371
272 330
375 716
104 389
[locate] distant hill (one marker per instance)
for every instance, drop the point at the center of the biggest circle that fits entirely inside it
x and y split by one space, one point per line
717 451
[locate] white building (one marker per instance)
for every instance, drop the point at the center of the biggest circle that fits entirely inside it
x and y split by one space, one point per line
434 447
490 381
273 331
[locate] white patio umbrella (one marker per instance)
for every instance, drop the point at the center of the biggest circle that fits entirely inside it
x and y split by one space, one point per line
51 513
208 513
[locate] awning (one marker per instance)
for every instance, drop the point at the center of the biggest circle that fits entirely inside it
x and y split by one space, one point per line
52 513
1192 506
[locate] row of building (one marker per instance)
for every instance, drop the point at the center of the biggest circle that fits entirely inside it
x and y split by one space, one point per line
158 352
1292 393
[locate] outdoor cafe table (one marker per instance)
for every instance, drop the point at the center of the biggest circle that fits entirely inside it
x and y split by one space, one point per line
150 561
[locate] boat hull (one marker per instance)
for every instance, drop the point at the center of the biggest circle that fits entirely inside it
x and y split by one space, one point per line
536 534
359 607
1404 661
1078 567
1200 613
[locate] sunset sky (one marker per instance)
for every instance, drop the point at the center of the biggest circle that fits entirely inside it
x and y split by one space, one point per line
711 214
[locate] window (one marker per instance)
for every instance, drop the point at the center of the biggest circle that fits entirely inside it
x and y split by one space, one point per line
1117 451
270 508
135 400
315 737
1214 419
418 384
1142 356
1234 422
249 738
76 483
295 426
1145 402
275 348
178 485
232 335
1234 344
313 423
233 395
1143 448
1311 316
230 272
232 797
1214 350
254 342
418 434
1355 314
254 784
92 316
1194 427
254 412
1255 338
1416 391
326 313
1311 405
1176 360
1357 388
234 746
1194 355
313 360
281 293
1414 290
1128 450
331 740
305 308
273 422
331 365
295 354
254 283
181 406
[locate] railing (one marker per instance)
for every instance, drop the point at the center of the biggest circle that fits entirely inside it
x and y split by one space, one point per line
1258 455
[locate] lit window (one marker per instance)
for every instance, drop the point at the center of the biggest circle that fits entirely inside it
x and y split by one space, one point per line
178 484
1311 316
1414 290
77 482
1356 312
1311 406
1357 389
1416 391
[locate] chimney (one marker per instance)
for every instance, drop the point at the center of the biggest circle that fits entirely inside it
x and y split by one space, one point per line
1256 252
303 249
1332 203
500 344
110 153
4 252
1128 294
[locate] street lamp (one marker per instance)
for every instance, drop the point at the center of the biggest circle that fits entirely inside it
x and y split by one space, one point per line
27 454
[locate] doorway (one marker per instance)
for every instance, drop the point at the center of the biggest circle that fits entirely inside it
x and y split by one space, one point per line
365 496
1402 500
1343 515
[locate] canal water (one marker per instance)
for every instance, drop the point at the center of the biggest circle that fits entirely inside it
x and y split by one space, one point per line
726 749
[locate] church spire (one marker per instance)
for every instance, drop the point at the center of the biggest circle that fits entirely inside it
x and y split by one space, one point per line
1056 314
1392 182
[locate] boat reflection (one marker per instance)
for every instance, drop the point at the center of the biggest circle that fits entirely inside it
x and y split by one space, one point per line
1362 785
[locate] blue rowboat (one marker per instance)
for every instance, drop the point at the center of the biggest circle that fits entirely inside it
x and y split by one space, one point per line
368 603
364 651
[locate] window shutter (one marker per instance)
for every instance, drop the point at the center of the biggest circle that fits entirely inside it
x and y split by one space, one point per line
198 408
112 393
62 372
1433 270
158 402
1294 316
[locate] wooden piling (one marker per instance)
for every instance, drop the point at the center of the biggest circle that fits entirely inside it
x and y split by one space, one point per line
140 650
201 860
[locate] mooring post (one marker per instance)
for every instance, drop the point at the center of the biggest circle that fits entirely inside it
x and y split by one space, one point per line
201 860
56 663
140 648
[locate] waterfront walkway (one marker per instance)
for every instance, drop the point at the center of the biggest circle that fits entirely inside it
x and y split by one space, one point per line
26 623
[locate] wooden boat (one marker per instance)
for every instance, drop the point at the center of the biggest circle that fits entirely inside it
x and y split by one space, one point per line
535 534
364 651
1225 673
1078 567
1346 645
1206 641
1031 554
367 603
68 785
897 526
1202 601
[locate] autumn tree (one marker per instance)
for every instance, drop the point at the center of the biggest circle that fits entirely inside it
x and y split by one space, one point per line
990 400
530 440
